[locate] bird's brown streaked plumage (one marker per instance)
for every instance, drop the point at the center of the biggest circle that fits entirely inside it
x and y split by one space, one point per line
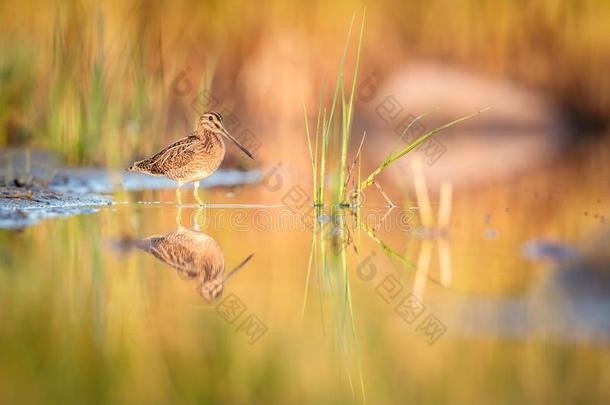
188 159
194 157
194 255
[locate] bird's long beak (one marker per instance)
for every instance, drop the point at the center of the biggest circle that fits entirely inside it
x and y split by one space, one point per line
242 147
237 268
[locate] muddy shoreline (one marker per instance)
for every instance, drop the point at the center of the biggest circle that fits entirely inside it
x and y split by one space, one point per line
23 205
34 186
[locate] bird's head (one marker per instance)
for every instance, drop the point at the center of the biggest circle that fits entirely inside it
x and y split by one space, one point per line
213 122
211 290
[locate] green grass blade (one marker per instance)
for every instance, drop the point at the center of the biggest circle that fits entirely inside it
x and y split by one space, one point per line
316 196
340 75
393 158
311 155
387 250
305 294
325 141
330 123
348 109
406 130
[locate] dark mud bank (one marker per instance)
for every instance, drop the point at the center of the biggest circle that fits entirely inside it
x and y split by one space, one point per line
25 205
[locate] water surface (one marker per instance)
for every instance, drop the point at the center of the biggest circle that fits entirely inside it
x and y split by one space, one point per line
138 302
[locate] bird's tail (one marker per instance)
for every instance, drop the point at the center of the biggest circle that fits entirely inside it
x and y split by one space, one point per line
126 243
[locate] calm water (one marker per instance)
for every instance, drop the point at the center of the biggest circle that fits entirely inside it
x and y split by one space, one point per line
126 305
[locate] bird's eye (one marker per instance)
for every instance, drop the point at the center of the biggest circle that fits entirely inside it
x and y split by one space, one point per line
210 118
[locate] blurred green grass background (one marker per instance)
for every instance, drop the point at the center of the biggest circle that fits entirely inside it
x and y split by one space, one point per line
93 80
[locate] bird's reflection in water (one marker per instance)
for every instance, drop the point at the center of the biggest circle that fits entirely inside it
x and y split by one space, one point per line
194 255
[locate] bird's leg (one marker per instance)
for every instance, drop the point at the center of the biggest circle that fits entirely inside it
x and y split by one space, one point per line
200 219
179 217
197 219
179 194
196 193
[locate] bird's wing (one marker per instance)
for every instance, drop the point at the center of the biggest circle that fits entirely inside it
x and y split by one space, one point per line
188 256
176 256
175 155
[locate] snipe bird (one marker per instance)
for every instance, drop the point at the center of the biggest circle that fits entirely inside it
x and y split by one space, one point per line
195 256
192 158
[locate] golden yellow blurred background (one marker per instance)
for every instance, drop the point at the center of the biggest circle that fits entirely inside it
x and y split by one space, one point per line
106 82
